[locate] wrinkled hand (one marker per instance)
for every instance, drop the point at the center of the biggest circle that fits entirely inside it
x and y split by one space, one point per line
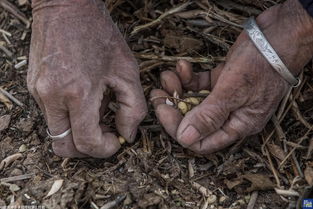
77 54
246 89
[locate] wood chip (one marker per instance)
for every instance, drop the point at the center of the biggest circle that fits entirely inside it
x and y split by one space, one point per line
20 64
6 101
10 159
11 97
253 199
17 178
4 122
204 191
288 193
190 168
308 174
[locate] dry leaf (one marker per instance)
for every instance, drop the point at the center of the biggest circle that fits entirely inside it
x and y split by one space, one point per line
6 101
10 159
22 2
4 122
55 187
259 182
231 184
203 190
182 43
277 151
149 199
308 174
12 187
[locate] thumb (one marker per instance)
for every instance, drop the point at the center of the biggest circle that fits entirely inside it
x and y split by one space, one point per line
202 121
132 108
211 114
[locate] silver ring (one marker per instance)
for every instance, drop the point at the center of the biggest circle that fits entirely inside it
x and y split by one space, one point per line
60 136
268 52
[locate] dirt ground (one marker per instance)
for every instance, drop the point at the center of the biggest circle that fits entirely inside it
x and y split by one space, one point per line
271 170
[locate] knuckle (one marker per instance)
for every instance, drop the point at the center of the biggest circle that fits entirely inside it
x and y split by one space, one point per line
58 149
211 117
143 112
91 148
79 89
48 87
257 127
74 91
43 88
85 148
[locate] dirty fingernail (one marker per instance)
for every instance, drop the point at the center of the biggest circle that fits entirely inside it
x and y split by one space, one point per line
189 136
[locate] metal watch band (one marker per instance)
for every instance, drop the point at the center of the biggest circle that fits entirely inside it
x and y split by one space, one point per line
268 52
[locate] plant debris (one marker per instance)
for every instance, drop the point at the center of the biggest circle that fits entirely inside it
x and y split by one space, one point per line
271 170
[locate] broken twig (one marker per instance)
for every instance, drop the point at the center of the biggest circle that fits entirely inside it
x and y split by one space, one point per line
12 9
16 101
159 19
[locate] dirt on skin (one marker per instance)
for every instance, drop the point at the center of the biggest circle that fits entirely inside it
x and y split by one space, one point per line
154 172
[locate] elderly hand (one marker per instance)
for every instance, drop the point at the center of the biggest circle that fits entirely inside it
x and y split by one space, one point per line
77 54
247 91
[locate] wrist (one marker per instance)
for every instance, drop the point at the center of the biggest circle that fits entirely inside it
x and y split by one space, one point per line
303 22
289 29
49 10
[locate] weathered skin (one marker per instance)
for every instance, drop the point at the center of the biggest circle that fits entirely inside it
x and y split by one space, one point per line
77 53
246 89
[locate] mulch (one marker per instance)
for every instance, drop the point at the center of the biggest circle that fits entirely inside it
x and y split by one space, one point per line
273 169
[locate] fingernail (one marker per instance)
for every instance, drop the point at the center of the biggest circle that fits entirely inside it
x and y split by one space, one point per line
189 136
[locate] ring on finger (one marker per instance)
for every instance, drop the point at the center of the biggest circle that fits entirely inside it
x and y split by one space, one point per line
60 136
